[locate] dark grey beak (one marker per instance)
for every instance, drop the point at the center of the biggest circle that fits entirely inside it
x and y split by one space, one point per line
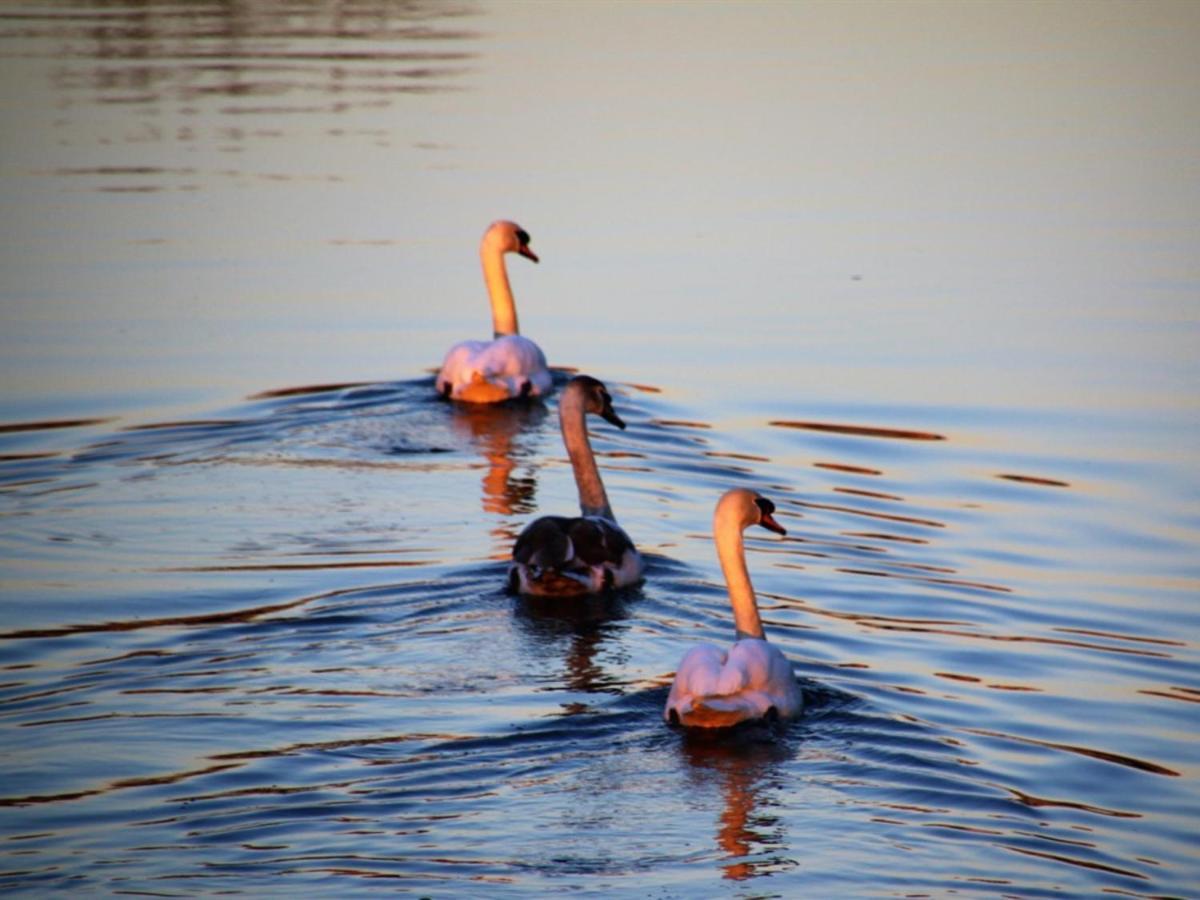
610 415
527 253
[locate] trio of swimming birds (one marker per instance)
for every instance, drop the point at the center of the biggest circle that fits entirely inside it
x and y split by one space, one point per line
564 556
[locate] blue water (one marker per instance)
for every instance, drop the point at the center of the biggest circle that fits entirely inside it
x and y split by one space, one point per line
328 684
254 632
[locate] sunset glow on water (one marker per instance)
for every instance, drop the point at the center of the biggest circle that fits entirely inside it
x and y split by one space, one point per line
924 275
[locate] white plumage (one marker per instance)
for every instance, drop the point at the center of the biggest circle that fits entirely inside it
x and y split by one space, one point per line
714 688
510 365
494 371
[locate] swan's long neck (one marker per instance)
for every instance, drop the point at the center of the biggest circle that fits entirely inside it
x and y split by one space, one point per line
592 499
731 551
495 276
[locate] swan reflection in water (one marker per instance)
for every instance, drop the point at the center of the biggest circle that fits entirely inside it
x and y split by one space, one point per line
576 633
506 435
740 763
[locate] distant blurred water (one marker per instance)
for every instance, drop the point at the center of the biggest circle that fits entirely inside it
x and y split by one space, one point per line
924 275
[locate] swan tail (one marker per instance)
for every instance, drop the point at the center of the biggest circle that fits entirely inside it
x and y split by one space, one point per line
714 712
494 371
481 389
550 582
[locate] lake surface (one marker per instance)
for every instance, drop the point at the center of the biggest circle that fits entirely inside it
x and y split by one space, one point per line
926 275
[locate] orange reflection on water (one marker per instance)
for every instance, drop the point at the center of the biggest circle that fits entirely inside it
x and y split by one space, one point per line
1075 861
495 430
1188 695
9 427
874 495
860 430
845 467
739 764
881 536
237 615
586 625
122 784
924 579
1034 479
1120 759
849 510
307 389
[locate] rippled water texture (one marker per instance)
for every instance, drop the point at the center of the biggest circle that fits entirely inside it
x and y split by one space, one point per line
923 275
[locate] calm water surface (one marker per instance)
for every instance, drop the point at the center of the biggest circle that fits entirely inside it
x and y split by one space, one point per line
936 298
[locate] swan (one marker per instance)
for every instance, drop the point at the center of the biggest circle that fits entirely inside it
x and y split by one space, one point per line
754 680
510 365
561 556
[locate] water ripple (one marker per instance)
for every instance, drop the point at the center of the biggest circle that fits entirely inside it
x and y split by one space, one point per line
295 732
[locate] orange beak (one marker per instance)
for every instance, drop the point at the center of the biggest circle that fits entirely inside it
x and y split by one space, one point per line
768 522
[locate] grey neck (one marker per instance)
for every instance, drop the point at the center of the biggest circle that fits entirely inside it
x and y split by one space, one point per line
593 501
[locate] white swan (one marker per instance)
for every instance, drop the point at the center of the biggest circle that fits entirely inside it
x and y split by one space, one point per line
561 556
510 365
715 689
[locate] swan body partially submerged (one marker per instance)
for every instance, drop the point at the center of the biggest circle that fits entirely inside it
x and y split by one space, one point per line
585 554
510 365
716 688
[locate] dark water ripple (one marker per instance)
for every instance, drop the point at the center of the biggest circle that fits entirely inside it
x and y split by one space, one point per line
273 652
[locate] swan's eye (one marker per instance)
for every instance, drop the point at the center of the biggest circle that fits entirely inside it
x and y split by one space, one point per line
523 236
765 506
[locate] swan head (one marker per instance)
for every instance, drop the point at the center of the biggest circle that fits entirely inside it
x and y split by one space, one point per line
503 237
748 508
596 398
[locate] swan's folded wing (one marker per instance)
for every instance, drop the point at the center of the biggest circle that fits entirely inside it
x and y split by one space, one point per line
698 674
545 543
598 541
713 689
697 699
457 364
514 365
512 354
764 671
751 666
514 361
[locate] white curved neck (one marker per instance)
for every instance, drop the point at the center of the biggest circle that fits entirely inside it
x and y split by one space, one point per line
495 276
731 551
592 499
